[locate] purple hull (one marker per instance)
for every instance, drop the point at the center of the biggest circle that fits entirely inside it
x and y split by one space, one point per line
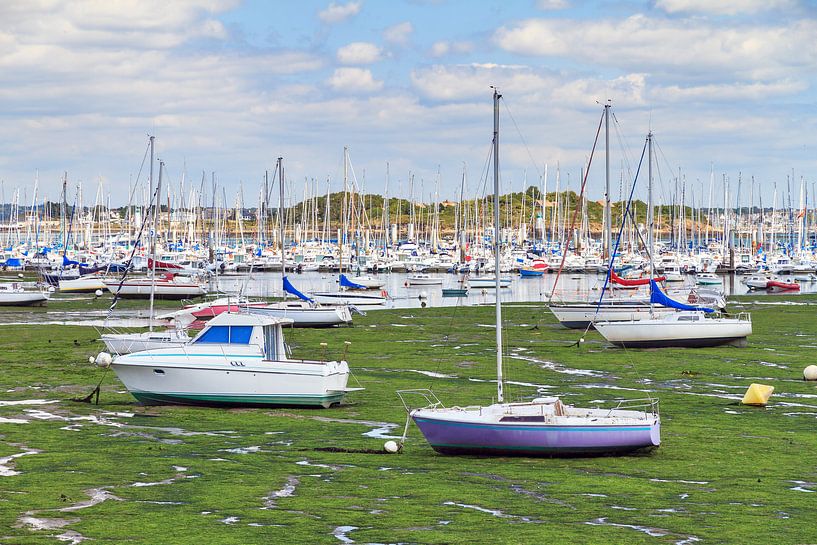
453 437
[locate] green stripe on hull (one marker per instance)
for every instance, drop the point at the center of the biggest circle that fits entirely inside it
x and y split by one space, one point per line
150 398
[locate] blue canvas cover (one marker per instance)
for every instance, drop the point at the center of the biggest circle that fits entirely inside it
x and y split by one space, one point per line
346 283
658 297
289 288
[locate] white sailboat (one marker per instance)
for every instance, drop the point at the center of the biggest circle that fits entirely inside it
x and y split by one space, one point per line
689 328
126 343
305 312
542 427
13 294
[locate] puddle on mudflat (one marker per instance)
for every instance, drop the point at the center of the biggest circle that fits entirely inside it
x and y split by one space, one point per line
27 402
652 532
494 512
97 496
71 537
229 520
325 466
802 486
682 481
341 531
381 429
431 374
42 523
287 491
559 368
242 450
4 420
5 470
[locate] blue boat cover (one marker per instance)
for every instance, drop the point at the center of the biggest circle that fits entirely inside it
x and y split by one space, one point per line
13 262
346 283
289 288
68 262
658 297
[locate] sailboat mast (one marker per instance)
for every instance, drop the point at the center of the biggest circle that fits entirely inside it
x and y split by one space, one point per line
280 168
499 396
649 204
608 240
154 238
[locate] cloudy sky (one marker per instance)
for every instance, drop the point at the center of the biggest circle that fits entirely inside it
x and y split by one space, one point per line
227 86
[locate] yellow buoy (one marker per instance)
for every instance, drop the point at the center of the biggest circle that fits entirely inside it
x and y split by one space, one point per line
757 394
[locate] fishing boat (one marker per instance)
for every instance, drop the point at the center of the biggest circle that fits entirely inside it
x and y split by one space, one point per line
541 427
13 294
423 279
237 359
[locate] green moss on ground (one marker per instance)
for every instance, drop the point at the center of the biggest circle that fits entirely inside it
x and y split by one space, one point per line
725 473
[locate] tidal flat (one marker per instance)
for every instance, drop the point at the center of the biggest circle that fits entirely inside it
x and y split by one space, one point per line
119 472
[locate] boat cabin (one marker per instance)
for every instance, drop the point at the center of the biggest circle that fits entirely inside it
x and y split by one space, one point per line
247 329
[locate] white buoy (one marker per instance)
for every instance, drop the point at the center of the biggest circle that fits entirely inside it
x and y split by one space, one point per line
91 359
810 372
103 359
391 447
98 293
20 275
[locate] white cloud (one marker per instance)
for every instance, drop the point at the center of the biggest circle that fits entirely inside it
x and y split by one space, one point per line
723 7
399 34
458 82
728 92
629 89
443 48
337 13
354 80
359 53
676 47
552 4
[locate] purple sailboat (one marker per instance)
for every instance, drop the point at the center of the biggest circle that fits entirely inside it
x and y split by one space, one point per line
542 427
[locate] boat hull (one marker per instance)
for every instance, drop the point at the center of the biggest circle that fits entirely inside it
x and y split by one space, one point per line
154 377
583 316
308 317
451 437
170 292
23 299
342 298
661 334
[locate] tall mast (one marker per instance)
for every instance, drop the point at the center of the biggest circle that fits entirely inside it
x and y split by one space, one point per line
499 396
608 241
154 238
280 168
649 203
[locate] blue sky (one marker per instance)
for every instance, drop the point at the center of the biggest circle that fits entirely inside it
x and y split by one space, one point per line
227 86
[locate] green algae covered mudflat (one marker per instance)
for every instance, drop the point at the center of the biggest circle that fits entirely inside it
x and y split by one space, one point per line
118 472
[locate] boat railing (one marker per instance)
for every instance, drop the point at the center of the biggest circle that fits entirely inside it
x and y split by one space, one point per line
430 399
744 317
648 405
